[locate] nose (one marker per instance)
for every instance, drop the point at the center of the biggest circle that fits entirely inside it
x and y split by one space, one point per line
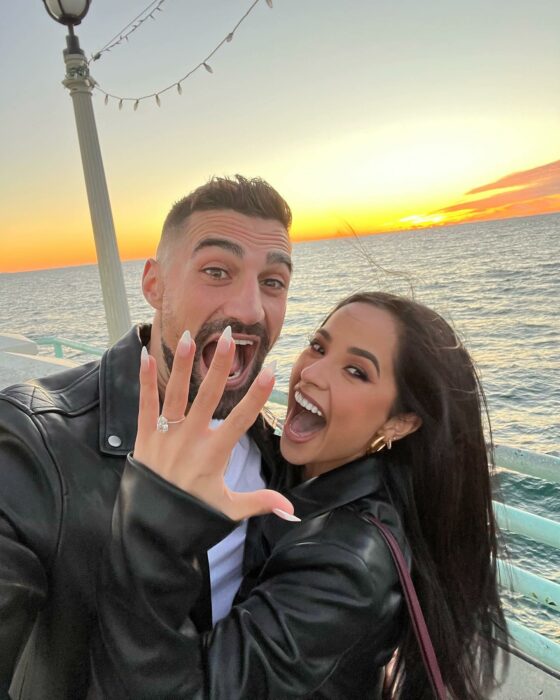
245 303
316 373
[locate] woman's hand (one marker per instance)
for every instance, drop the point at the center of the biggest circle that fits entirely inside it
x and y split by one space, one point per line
190 455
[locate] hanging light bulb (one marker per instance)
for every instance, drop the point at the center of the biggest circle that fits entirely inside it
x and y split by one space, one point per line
178 85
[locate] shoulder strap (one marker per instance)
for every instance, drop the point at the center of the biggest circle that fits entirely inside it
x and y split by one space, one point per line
416 615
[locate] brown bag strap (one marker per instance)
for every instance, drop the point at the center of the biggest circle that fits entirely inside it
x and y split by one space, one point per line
416 615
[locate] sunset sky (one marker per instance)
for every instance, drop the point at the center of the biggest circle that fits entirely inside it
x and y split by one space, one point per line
379 115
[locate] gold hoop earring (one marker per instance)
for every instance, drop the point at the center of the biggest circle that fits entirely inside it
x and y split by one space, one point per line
377 445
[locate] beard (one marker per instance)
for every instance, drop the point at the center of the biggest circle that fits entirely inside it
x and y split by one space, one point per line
230 397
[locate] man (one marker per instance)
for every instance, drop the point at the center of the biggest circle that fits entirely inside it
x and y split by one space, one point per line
223 259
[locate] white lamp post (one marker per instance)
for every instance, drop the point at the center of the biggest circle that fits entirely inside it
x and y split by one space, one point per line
80 85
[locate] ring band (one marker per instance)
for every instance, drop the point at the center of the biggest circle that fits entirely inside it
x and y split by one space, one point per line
163 423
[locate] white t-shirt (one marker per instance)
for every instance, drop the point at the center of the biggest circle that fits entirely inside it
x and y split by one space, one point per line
226 558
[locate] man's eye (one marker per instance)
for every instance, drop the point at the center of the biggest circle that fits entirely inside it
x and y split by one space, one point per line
274 283
216 273
357 372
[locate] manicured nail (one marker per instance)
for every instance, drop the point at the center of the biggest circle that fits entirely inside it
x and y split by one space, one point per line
286 516
225 341
144 358
185 342
267 373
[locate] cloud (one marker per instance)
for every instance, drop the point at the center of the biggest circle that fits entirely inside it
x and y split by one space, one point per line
524 193
549 173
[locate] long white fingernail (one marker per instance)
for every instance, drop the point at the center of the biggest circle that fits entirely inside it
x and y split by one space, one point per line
286 516
225 340
267 373
186 341
144 357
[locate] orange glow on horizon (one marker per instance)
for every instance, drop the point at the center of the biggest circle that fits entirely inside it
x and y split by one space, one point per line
22 260
524 193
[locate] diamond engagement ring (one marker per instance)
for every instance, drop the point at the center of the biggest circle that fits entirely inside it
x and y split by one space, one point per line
163 424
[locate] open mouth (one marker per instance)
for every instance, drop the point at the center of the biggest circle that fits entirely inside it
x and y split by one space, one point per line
304 420
245 352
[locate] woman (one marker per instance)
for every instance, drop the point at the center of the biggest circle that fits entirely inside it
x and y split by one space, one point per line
320 613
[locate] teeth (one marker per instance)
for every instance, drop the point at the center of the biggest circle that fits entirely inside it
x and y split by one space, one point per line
243 342
307 404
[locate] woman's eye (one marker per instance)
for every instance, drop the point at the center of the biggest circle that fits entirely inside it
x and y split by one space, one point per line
216 273
316 346
357 372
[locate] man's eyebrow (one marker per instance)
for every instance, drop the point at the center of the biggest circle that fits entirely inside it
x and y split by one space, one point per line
356 351
277 256
272 258
224 243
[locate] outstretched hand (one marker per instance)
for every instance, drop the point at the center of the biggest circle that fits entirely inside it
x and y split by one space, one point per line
190 454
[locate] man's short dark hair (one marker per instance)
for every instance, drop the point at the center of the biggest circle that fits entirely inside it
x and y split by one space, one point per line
252 197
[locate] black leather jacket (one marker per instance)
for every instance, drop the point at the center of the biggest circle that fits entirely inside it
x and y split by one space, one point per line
63 447
318 614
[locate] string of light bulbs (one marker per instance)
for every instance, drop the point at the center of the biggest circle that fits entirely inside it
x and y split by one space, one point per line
134 24
176 85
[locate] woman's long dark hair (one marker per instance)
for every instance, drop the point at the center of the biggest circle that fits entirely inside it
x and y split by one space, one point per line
441 475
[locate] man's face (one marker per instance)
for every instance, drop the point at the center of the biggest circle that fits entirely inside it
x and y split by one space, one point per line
225 269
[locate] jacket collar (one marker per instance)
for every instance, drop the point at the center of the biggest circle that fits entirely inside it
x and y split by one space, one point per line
312 498
338 487
119 392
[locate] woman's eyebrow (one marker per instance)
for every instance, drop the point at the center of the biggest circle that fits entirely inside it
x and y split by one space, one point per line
355 351
368 355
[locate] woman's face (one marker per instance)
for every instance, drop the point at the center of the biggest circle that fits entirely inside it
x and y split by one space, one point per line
342 389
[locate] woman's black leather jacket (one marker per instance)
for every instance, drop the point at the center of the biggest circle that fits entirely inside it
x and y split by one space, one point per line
318 614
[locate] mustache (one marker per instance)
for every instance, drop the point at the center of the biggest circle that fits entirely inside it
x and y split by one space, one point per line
207 330
218 326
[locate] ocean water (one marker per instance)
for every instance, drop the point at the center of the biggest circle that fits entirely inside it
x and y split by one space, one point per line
498 282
